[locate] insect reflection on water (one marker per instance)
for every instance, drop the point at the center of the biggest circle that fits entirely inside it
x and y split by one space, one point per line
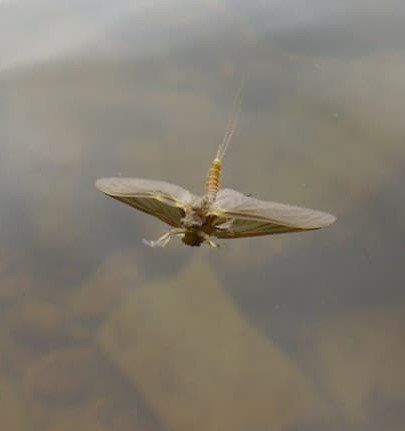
219 213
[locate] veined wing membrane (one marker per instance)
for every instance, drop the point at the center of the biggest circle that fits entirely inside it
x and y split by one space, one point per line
245 216
160 199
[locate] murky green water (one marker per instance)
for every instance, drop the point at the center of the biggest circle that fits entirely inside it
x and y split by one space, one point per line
295 332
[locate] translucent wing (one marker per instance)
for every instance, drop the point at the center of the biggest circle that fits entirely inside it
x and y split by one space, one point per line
242 216
160 199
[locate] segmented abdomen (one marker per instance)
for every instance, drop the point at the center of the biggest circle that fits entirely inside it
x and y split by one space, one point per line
213 177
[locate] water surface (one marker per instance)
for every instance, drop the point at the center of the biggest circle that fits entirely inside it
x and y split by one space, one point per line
295 332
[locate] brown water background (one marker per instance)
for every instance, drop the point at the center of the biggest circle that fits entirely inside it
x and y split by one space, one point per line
296 332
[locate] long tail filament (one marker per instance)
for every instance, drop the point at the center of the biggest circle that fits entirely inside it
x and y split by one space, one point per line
214 173
232 123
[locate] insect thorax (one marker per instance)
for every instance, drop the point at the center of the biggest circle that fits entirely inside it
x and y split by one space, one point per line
195 222
193 219
195 214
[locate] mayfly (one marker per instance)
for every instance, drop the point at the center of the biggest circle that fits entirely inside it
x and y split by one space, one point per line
220 213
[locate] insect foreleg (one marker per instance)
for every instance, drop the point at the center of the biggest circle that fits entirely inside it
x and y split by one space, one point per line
164 239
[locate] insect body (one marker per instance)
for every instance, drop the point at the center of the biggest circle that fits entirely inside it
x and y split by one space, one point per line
220 213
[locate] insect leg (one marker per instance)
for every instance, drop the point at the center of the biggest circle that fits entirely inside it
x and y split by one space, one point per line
164 239
210 242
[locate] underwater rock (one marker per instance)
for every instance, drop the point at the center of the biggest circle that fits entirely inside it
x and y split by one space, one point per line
88 416
14 284
78 419
116 276
13 414
64 376
360 358
38 325
199 364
